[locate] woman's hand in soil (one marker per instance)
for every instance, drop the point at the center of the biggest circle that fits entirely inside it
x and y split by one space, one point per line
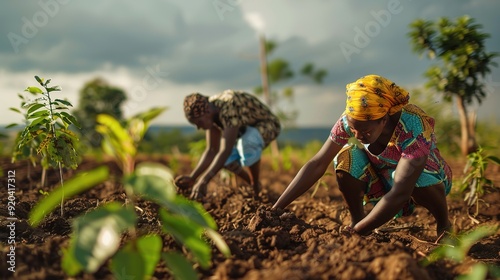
184 181
199 191
349 231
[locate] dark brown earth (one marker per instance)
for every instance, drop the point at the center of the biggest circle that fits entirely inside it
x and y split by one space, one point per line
301 243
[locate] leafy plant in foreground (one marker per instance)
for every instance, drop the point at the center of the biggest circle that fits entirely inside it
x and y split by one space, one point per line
28 150
97 235
2 136
47 130
456 249
475 181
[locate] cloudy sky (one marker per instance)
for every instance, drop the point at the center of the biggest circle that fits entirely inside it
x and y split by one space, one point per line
160 50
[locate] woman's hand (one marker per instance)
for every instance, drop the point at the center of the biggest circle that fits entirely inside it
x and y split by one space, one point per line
184 181
199 190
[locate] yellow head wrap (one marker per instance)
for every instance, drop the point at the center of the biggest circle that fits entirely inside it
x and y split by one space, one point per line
372 97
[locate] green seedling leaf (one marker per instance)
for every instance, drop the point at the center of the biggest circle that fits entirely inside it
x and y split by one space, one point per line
42 113
69 263
128 264
219 242
65 102
39 80
180 268
189 234
34 107
192 210
138 124
76 185
153 181
136 129
111 129
71 119
108 148
57 115
11 125
150 249
495 271
15 110
114 127
456 248
66 154
138 259
34 129
494 159
51 89
150 114
479 271
474 236
98 234
34 90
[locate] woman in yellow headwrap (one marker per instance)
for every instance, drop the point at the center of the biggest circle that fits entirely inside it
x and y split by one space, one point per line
394 163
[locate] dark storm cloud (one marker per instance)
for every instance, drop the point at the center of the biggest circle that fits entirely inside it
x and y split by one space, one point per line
76 39
191 42
81 37
215 52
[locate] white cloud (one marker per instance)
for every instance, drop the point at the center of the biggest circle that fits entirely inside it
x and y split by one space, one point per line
256 21
314 21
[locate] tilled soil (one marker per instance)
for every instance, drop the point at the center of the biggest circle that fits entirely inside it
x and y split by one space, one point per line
301 242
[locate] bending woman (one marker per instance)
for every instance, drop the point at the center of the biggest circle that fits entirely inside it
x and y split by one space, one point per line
238 127
396 165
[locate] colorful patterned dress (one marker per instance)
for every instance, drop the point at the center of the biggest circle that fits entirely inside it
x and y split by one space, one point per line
413 137
237 108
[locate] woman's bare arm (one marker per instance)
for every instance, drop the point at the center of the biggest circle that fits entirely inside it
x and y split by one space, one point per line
405 179
212 136
309 174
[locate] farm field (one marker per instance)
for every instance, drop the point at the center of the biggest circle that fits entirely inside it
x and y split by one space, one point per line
302 242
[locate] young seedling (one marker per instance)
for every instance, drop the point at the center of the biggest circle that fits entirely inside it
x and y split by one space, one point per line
475 182
47 131
96 235
456 249
28 150
321 182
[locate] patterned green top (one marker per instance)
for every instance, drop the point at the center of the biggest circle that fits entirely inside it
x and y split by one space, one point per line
237 108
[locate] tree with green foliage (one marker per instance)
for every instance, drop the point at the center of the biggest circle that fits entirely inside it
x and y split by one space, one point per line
98 97
464 63
280 70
